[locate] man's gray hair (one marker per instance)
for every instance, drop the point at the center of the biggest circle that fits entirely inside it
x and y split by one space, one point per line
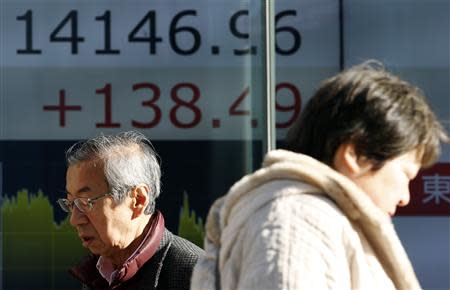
129 159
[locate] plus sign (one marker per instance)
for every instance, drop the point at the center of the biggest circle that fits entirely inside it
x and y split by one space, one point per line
62 108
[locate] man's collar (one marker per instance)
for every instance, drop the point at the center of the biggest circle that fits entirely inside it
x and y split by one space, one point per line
144 252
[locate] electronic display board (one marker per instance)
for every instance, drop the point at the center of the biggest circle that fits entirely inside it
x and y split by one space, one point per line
188 74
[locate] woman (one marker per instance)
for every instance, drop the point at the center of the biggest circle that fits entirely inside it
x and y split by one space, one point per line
319 216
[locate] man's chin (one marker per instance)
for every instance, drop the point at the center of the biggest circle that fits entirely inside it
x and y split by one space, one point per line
93 247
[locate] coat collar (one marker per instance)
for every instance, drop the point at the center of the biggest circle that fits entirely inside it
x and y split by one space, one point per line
354 203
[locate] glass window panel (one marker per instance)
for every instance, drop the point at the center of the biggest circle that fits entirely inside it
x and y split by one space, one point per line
188 74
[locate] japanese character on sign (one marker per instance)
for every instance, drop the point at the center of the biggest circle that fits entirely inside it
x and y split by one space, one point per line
436 187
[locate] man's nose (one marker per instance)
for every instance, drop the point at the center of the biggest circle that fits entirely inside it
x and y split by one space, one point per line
77 217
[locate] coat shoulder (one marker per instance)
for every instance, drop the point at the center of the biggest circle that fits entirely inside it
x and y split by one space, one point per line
179 263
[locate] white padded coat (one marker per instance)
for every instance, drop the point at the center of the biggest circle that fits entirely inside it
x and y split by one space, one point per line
298 224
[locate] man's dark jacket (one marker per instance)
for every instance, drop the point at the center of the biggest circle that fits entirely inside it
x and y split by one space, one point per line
170 267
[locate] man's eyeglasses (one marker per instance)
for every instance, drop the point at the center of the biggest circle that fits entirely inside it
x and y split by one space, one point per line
83 204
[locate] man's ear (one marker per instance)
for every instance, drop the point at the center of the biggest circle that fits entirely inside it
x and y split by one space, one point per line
347 162
140 196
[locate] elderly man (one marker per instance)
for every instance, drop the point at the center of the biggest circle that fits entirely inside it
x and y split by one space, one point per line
112 183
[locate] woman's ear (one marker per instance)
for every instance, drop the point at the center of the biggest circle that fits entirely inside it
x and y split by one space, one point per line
140 196
347 162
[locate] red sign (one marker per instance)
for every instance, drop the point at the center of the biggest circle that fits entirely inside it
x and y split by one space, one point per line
430 192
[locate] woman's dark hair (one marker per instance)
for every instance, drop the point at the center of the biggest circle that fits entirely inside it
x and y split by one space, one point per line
380 114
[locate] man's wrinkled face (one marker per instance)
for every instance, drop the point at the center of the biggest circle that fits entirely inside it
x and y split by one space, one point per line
105 229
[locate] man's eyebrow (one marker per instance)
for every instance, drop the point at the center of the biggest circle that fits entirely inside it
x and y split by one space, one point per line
81 190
